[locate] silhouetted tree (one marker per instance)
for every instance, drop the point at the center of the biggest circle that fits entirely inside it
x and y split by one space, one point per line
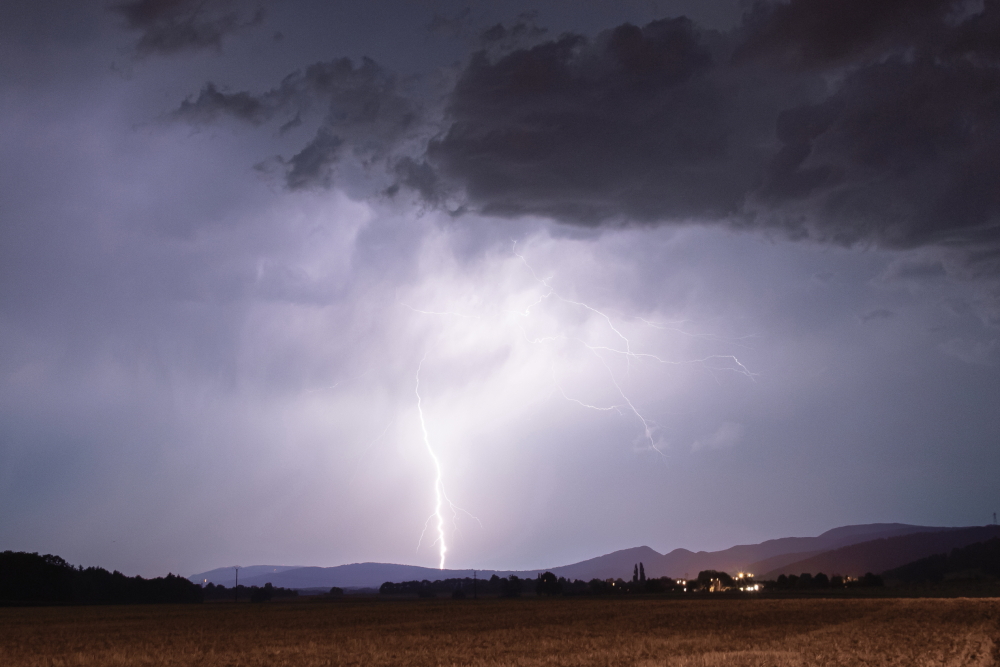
705 578
436 588
642 574
548 584
599 587
264 594
657 585
635 574
425 590
213 592
510 587
870 580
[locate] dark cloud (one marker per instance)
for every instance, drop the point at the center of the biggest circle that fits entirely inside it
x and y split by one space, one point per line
522 33
919 269
212 103
362 110
494 34
904 153
169 26
449 25
877 314
843 121
819 33
586 132
418 176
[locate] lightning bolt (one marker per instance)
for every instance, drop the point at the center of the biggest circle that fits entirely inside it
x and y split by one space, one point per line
648 425
623 349
440 496
434 312
438 481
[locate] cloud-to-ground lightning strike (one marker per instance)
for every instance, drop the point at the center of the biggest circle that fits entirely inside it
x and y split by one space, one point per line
440 496
627 405
438 491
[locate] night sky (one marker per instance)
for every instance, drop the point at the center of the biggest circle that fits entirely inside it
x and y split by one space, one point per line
682 274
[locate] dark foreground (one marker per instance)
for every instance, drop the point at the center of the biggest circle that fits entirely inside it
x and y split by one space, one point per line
649 632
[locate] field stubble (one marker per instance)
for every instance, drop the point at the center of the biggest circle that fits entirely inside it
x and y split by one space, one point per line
643 632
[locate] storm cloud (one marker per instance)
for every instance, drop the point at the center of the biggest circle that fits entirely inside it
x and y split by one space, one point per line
361 107
170 26
662 284
842 121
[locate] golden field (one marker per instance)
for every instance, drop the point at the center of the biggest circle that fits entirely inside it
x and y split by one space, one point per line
646 632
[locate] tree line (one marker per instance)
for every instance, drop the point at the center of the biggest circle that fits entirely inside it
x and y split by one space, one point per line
549 584
807 581
28 578
263 593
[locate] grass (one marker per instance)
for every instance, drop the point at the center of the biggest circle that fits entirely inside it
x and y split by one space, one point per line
643 632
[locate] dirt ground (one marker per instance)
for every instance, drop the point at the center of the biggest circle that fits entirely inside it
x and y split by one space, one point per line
645 632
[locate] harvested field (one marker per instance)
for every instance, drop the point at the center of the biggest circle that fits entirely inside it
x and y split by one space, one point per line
646 632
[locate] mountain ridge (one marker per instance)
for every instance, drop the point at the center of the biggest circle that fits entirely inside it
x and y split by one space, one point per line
775 553
882 554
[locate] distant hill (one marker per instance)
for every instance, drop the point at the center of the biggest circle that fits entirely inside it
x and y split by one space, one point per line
773 553
775 562
884 554
742 558
226 576
359 575
678 563
981 559
617 564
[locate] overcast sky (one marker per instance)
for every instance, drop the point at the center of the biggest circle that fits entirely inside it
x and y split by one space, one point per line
682 274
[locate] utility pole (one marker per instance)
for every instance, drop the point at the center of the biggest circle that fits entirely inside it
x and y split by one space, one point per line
236 588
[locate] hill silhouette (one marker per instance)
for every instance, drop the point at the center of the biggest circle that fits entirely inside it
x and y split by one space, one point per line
981 559
884 554
677 563
226 576
776 553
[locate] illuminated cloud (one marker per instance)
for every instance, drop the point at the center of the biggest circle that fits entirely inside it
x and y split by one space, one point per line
797 120
729 434
221 269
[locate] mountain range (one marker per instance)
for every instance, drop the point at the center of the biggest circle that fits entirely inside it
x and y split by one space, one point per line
848 550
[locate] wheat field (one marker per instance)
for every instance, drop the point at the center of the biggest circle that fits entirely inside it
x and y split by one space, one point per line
643 632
